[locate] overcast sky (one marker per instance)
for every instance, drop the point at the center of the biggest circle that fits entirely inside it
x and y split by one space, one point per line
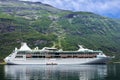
110 8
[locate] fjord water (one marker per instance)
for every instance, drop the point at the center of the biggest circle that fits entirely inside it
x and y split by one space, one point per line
60 72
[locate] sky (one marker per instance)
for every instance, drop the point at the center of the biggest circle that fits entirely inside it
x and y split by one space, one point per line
108 8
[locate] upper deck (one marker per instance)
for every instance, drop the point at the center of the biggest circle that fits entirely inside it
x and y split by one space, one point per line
47 52
51 50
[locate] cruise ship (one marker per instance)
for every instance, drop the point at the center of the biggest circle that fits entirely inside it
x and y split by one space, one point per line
54 56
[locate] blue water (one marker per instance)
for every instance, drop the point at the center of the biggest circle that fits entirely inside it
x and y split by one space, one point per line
60 72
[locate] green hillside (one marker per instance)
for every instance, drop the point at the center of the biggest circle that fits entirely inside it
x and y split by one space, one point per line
43 25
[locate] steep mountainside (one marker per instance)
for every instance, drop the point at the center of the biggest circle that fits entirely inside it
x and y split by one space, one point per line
43 25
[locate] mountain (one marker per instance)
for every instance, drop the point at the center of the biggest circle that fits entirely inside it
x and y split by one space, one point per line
42 25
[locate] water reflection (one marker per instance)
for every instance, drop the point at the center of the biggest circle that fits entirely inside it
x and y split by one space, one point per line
55 72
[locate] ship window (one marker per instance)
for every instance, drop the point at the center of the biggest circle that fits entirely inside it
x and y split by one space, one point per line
56 53
36 53
41 56
28 56
56 56
19 57
38 57
21 52
35 56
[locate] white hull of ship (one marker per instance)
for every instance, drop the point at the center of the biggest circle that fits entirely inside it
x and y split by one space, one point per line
55 61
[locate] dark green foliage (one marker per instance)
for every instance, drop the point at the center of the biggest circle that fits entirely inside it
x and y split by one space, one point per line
42 24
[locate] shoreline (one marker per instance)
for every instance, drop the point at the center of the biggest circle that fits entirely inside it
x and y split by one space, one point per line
2 63
116 62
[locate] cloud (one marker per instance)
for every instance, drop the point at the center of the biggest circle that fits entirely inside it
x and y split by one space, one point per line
103 7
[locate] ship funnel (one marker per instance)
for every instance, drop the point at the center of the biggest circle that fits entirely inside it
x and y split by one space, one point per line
24 47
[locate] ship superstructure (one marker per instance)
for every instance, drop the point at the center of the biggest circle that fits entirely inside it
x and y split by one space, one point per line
53 56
